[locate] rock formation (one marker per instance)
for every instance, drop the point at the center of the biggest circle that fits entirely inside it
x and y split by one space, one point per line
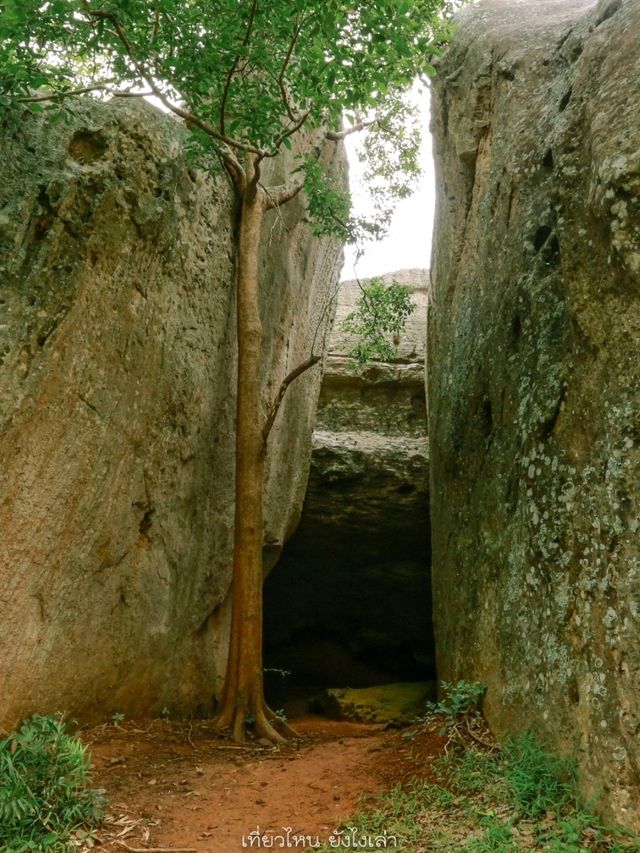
534 378
116 409
387 704
349 601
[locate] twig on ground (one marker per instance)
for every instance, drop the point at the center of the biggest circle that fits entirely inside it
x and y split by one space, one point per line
115 765
191 743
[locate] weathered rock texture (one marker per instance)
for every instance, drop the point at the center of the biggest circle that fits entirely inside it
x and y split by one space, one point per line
116 410
534 377
357 567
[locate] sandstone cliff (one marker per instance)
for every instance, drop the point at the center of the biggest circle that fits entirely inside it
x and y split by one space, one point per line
534 377
116 410
357 567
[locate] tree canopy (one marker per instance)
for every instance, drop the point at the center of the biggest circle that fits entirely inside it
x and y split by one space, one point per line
245 76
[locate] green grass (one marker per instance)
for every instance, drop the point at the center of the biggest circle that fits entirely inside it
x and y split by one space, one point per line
44 795
517 799
538 782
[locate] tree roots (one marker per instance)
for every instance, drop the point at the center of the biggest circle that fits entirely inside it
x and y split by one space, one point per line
238 718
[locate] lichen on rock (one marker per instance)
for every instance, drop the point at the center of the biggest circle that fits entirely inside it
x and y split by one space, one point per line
400 704
534 378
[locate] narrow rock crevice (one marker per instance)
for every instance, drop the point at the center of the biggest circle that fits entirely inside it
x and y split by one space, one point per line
349 603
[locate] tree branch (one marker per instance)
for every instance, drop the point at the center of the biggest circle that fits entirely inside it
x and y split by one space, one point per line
234 169
289 132
231 164
291 377
276 198
225 92
189 117
253 172
285 65
51 96
156 25
336 136
234 66
124 845
129 94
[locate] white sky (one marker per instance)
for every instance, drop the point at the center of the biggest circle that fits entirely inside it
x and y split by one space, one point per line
408 244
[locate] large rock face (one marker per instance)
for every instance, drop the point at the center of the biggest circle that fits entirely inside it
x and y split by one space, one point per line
534 377
352 588
116 410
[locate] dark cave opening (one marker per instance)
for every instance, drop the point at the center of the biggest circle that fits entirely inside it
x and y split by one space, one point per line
348 607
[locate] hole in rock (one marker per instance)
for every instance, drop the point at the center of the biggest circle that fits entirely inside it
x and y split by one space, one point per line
551 251
145 524
609 11
564 101
86 146
406 489
541 237
516 329
486 416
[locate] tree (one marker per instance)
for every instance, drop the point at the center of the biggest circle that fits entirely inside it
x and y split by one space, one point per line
379 316
247 77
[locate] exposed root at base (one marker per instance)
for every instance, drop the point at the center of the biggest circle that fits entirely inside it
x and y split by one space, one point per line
262 720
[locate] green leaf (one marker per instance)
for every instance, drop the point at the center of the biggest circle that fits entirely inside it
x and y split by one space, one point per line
242 67
379 317
44 793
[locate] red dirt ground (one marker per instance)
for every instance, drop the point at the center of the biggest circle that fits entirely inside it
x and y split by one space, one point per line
178 786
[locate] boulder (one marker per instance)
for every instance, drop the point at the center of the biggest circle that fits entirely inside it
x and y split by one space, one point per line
534 378
400 704
117 363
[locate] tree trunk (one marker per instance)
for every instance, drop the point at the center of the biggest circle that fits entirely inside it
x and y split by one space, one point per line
242 699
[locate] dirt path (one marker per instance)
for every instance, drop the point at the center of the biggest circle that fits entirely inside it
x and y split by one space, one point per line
176 785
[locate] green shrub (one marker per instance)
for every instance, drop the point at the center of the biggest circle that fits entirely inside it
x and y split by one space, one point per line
44 793
379 318
458 699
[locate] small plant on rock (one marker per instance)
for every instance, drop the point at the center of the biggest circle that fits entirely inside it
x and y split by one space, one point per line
44 793
379 317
